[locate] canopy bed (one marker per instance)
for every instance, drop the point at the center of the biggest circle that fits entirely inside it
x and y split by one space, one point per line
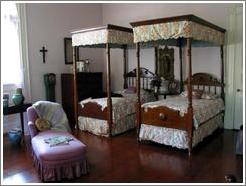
116 113
177 121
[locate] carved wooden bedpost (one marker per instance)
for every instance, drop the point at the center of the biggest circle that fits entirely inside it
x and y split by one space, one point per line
109 100
156 59
222 71
75 50
138 90
190 109
181 65
125 65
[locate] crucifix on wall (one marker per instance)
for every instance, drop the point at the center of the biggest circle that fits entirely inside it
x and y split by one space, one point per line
43 50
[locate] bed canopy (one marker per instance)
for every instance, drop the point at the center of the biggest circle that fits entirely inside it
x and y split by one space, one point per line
185 30
109 36
99 37
169 30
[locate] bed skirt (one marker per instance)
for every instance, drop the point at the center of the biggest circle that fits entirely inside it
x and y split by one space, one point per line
179 138
52 173
100 127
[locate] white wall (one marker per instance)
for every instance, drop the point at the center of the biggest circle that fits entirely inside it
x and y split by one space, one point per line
48 24
234 71
58 24
204 59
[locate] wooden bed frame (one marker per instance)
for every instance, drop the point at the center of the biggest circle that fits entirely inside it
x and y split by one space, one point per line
166 117
107 47
163 116
94 110
145 77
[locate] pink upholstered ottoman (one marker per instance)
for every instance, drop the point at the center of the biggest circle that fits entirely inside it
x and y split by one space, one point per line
61 161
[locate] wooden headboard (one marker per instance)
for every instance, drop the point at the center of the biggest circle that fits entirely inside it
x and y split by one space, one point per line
206 82
145 78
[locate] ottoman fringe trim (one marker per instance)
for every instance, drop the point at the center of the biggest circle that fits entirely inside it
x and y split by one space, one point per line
69 170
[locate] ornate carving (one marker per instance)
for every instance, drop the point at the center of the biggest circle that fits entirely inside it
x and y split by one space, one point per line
145 78
162 116
144 73
165 117
93 110
204 79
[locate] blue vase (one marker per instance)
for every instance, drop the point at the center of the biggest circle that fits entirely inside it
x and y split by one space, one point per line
15 136
18 99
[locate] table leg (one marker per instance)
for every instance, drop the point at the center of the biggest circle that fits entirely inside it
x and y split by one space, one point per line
22 123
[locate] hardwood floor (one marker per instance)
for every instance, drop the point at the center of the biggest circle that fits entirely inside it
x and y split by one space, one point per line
123 159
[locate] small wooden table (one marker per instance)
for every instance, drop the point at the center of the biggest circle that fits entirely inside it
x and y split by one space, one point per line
15 109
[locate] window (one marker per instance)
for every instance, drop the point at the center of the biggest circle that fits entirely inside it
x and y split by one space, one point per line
10 46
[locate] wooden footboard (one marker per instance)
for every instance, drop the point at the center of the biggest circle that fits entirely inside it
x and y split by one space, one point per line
165 117
92 110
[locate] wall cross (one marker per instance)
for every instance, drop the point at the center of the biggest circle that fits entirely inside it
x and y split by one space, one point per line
43 50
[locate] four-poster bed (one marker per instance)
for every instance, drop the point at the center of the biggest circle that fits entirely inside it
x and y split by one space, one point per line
112 115
172 121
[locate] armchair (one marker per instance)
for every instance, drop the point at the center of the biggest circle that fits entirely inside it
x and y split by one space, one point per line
57 162
32 116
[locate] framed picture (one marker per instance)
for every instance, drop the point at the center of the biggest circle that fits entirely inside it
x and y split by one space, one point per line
68 51
165 63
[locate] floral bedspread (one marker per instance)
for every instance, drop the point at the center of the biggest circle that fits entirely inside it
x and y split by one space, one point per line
179 138
145 96
122 106
123 114
203 109
101 127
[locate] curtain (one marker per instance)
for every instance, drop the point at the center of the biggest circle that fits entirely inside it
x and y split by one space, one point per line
14 58
21 9
11 64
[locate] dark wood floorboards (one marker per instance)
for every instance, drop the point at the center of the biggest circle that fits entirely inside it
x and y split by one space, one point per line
123 159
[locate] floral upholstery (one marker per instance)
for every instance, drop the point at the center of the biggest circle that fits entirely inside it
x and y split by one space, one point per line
102 36
175 30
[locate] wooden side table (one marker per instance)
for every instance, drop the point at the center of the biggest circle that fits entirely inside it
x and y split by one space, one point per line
15 109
